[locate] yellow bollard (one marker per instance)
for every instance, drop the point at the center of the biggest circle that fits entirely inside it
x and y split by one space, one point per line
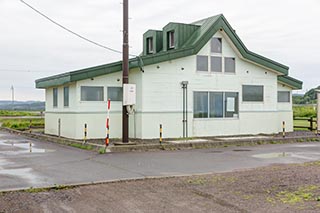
160 139
85 133
283 129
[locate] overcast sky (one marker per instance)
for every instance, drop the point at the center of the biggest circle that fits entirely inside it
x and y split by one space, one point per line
31 47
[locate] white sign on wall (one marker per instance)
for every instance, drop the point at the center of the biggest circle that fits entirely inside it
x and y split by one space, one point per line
129 94
231 103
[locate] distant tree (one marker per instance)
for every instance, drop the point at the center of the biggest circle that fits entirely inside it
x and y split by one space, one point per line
308 98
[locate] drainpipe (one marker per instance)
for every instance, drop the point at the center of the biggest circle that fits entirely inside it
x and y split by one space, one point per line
185 108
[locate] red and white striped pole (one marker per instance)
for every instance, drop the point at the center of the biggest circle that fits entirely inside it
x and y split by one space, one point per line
107 124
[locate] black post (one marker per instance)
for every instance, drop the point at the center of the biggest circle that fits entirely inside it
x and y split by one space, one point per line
311 124
125 68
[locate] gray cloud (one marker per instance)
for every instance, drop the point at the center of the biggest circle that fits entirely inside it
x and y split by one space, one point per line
285 31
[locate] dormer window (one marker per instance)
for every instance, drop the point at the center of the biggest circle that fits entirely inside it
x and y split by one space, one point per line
170 40
150 45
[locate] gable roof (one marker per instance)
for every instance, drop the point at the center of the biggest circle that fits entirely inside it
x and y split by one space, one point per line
207 28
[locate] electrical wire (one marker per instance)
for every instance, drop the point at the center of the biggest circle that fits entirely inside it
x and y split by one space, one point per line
72 32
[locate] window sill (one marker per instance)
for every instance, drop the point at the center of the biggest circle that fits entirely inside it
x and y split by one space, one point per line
215 119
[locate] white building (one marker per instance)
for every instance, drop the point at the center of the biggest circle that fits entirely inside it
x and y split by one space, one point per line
230 90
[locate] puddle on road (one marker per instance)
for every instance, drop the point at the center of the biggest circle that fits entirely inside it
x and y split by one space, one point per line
24 173
273 155
21 147
306 145
300 155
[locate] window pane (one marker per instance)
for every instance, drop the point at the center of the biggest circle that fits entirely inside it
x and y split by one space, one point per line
216 45
115 93
55 97
170 37
216 104
202 63
231 104
216 64
149 45
252 93
66 96
230 65
91 93
284 96
200 105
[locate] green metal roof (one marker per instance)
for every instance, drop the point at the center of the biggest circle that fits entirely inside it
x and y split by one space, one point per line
291 82
203 32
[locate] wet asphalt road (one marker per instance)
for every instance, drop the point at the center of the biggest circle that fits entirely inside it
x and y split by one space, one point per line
51 164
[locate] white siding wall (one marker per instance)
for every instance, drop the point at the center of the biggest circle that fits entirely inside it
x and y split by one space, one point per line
159 101
92 113
162 102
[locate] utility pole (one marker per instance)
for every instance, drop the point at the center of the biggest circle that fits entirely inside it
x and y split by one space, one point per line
318 111
125 68
12 97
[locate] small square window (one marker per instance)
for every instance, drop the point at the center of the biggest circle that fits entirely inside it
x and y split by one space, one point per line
252 93
150 45
202 63
216 45
170 37
230 65
216 64
283 97
90 93
115 93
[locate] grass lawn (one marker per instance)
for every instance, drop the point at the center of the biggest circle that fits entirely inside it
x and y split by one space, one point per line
303 123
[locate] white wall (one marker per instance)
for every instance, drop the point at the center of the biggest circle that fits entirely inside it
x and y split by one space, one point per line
159 101
162 101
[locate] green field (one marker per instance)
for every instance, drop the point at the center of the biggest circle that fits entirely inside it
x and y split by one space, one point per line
22 123
17 113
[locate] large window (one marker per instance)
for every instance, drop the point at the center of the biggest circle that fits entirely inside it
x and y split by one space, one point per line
283 96
91 93
200 105
216 64
252 93
66 96
216 45
115 93
202 63
215 105
170 37
230 65
55 97
149 45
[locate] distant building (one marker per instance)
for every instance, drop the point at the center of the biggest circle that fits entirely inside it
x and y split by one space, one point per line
228 90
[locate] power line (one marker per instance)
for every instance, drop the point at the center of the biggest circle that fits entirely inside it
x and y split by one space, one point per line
27 71
72 32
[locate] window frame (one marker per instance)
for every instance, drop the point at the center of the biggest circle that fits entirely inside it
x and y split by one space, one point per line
225 65
113 87
150 47
66 103
55 94
211 63
284 102
224 105
211 45
197 66
252 101
101 87
170 39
